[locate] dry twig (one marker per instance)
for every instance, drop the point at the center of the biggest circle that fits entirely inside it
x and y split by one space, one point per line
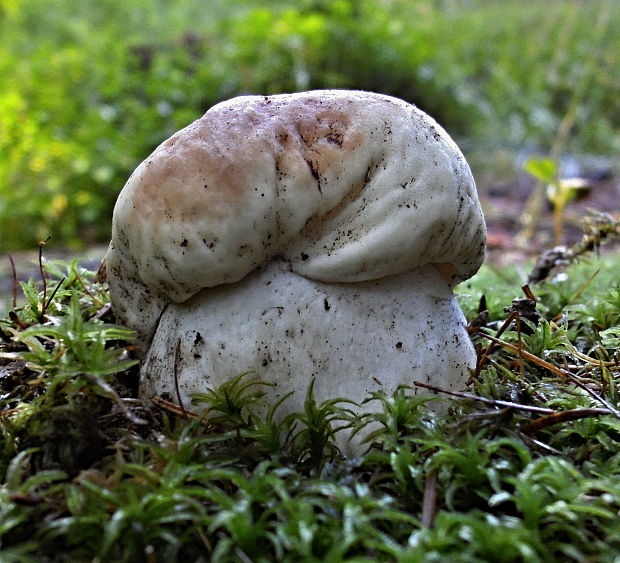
494 402
15 282
173 408
177 357
429 502
561 416
557 370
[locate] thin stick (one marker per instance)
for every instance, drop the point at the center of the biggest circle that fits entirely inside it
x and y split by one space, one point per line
42 271
562 416
594 395
513 317
49 301
177 356
552 417
242 555
546 447
520 346
429 502
528 292
15 282
109 392
525 354
494 402
87 291
583 287
556 370
173 408
482 360
204 539
103 311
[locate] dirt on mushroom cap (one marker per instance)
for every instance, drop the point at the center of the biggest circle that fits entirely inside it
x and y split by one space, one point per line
346 186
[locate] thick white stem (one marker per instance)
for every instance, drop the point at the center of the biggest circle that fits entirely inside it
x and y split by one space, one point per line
353 338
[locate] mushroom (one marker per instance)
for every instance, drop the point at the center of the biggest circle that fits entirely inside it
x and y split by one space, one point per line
315 235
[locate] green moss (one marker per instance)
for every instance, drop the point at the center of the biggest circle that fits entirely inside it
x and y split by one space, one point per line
87 472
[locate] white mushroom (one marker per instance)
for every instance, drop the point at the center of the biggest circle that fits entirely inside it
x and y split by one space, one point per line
299 236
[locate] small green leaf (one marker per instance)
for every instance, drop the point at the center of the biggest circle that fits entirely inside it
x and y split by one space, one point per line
543 169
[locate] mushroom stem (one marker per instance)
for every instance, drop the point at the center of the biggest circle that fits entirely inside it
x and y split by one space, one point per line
352 339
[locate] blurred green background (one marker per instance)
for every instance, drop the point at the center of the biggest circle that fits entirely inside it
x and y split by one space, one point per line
88 88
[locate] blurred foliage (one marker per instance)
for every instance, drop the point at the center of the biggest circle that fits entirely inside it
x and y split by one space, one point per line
89 88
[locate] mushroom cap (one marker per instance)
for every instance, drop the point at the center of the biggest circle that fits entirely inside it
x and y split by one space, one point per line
346 186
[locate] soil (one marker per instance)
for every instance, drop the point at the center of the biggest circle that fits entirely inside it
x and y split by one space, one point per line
503 204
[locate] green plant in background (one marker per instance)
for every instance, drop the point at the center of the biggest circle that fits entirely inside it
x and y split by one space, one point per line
90 88
560 191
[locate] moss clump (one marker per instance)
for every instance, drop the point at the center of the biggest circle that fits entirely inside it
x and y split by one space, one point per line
524 467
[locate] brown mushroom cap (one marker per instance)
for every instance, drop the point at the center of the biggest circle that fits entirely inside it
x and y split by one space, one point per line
344 185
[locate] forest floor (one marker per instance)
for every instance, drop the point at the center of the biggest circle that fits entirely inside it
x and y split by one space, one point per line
503 204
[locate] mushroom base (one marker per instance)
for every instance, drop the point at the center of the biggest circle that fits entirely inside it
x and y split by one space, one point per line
353 339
